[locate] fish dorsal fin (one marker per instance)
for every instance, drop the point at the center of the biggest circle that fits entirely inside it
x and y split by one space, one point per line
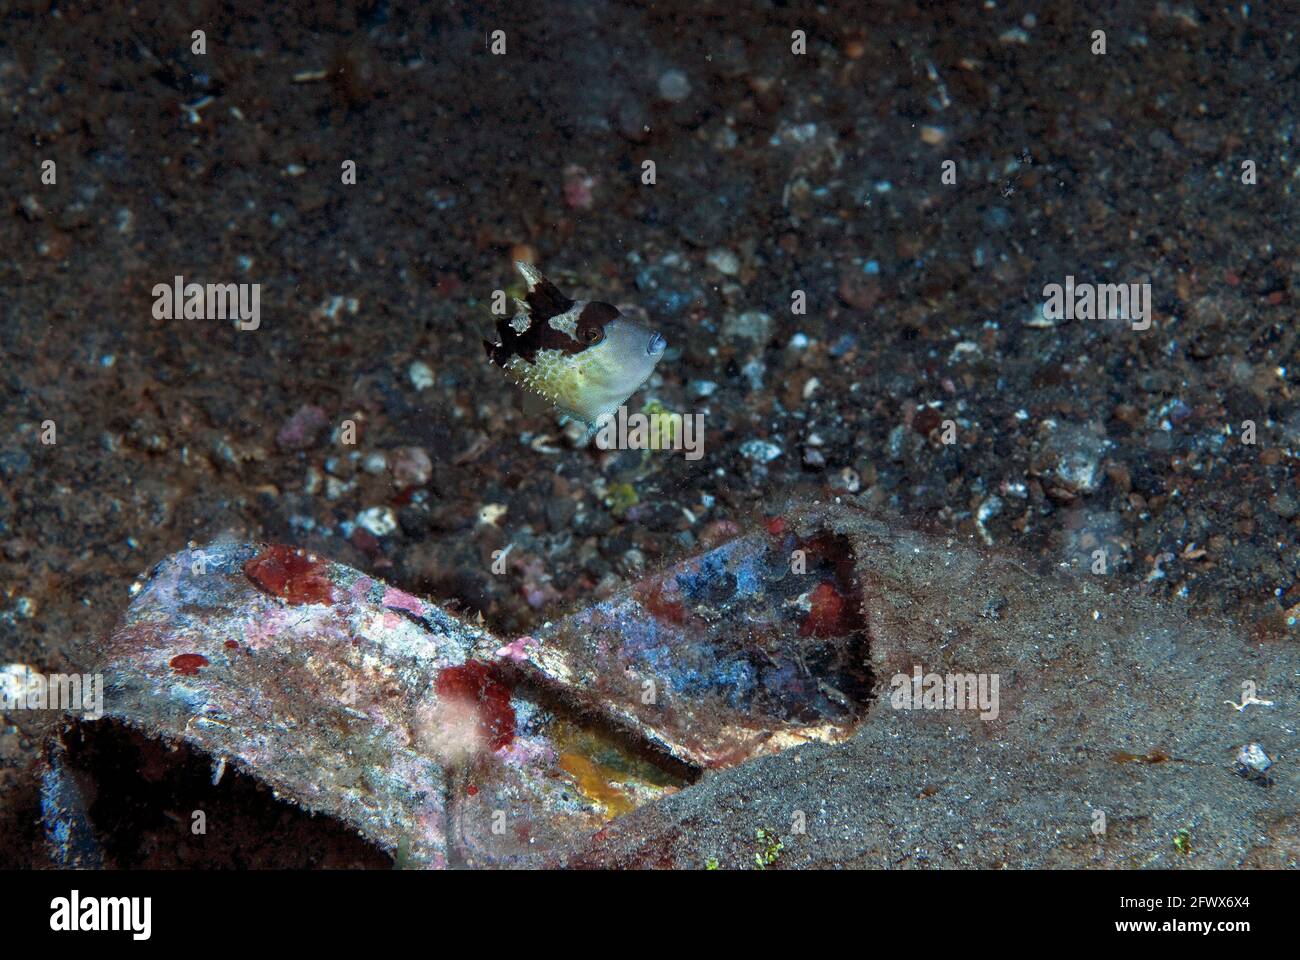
544 298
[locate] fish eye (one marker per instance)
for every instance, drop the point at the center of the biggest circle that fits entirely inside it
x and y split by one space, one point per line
593 335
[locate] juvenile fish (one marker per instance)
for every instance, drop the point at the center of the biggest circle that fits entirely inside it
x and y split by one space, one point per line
583 356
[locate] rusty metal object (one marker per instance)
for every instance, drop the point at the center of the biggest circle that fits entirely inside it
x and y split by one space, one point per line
750 649
616 735
350 698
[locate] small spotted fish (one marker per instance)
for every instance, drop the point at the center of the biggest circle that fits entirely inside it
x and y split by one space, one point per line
582 355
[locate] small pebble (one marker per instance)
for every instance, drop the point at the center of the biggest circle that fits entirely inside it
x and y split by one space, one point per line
336 488
380 521
752 325
579 188
421 375
843 345
760 451
812 457
724 261
1252 761
301 430
411 466
674 86
847 481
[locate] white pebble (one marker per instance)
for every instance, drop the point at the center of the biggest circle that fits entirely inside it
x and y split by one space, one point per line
380 521
421 375
760 451
1253 758
724 261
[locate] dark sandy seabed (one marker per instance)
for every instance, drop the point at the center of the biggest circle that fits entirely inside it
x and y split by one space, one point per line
775 172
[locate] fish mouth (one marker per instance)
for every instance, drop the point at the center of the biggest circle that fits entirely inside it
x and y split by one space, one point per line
656 345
